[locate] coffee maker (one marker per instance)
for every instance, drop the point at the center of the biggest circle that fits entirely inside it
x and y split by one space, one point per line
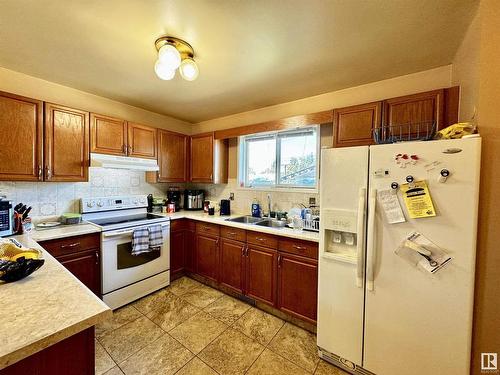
174 196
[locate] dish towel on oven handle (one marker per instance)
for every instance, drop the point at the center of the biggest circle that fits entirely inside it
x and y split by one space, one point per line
155 237
140 241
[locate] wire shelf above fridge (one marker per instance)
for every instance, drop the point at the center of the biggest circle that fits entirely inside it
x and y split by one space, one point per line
420 131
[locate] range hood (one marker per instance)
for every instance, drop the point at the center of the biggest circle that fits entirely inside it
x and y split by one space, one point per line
123 162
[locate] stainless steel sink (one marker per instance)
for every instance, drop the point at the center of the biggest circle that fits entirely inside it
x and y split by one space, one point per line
271 223
245 219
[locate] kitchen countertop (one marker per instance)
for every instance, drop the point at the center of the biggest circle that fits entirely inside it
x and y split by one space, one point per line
222 220
44 308
63 231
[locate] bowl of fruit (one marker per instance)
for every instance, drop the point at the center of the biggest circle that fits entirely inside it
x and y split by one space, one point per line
17 262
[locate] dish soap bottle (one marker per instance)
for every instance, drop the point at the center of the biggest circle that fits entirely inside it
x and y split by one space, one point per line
255 208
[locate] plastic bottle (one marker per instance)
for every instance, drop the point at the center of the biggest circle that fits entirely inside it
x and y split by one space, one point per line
255 208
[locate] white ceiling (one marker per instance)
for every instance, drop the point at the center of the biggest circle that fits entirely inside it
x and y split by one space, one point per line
251 53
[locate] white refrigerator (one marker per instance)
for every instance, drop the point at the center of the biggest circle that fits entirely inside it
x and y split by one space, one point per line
381 309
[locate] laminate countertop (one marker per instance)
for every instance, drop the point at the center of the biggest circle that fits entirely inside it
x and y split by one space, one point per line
44 308
222 220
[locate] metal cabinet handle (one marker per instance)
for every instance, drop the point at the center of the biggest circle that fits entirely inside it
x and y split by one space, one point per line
246 250
130 149
124 149
299 247
279 260
40 172
48 172
243 250
97 257
259 239
70 245
231 233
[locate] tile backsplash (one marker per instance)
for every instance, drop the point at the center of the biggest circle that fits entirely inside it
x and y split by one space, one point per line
243 198
50 199
55 198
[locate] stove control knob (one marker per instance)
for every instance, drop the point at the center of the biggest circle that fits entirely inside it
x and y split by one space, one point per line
100 203
143 200
90 204
135 201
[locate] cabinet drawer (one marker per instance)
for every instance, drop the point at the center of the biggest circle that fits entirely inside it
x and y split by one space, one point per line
298 247
207 229
70 245
233 233
262 239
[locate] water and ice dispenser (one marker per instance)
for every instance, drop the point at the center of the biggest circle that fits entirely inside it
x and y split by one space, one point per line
340 234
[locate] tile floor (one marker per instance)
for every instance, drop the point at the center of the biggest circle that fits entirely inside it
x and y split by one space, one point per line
189 328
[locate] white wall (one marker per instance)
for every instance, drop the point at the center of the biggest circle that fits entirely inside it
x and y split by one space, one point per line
398 86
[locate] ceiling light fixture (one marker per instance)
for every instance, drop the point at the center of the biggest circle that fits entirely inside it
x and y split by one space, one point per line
175 53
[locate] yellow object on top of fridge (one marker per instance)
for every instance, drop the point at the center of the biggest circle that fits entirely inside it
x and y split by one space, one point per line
456 131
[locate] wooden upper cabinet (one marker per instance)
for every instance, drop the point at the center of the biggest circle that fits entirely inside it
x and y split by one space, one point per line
352 126
108 135
202 158
141 141
172 156
208 159
66 144
21 127
420 110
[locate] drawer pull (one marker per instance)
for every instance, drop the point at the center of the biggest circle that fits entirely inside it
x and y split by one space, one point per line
70 246
231 233
299 247
260 239
206 228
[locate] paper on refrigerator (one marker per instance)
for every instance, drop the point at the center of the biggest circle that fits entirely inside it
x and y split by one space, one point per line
418 200
391 206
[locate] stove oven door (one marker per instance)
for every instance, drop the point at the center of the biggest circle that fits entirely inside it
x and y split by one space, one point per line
120 268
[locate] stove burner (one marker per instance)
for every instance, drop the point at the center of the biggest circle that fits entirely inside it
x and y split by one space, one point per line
124 219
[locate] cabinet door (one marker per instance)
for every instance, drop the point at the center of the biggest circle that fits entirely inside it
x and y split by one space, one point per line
141 141
21 130
298 286
261 274
352 126
202 158
417 112
172 157
232 264
177 254
86 267
190 249
108 135
207 260
66 144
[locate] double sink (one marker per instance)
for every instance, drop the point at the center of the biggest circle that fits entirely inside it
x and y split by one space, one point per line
262 222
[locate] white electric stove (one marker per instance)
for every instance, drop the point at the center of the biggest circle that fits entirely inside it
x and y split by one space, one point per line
126 277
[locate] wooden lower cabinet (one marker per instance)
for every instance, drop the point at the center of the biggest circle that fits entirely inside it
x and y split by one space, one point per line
298 286
81 256
232 264
261 266
207 256
71 356
190 248
177 253
85 266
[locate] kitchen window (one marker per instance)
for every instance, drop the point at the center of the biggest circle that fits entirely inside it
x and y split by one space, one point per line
284 159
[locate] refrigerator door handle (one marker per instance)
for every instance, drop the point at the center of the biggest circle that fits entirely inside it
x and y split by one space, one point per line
360 256
370 251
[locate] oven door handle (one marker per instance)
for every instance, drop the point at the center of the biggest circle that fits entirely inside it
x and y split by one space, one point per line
122 232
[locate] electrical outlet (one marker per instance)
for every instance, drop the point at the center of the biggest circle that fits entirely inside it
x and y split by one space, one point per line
312 201
231 196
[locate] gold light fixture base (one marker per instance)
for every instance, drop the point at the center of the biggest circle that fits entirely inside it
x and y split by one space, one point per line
183 47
